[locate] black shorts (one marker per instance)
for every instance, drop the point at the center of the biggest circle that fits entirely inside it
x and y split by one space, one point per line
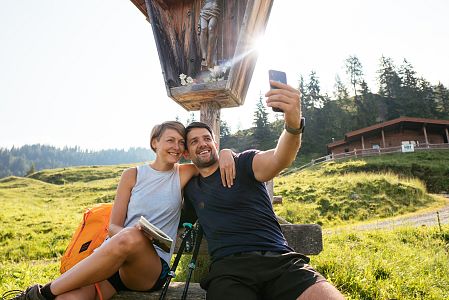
260 275
118 284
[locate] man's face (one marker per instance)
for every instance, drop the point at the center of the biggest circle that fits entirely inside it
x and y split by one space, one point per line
202 148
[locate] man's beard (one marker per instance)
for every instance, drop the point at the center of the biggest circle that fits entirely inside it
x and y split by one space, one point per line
205 163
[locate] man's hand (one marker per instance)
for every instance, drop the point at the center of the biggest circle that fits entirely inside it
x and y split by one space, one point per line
286 98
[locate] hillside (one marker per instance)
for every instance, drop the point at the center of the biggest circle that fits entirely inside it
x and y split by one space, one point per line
337 193
431 167
78 174
40 213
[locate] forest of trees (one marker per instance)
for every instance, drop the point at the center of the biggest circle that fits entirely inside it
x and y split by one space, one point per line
352 106
400 92
30 158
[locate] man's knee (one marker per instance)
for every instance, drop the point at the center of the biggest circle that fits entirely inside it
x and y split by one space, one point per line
321 290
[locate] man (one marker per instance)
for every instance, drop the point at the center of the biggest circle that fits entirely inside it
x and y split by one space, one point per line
250 256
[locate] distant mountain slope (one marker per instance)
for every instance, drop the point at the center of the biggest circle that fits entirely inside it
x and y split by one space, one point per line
79 174
30 158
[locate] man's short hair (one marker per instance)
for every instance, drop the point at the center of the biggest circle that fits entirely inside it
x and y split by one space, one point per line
159 129
194 125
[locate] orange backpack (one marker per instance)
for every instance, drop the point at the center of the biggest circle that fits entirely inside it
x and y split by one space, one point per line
90 234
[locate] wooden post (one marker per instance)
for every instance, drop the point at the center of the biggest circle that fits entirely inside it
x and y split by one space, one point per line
210 114
447 134
425 135
383 139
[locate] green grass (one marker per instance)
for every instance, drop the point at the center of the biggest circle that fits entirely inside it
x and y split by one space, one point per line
405 263
330 198
431 167
38 219
78 174
40 213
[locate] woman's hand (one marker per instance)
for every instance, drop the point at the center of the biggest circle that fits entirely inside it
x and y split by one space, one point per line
138 226
227 167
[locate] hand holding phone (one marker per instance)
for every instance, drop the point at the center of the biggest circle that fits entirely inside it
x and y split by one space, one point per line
280 77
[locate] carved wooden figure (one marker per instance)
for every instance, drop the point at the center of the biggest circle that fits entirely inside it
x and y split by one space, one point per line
208 31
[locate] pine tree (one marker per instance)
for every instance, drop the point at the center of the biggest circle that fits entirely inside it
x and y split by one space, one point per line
340 90
390 87
355 72
262 134
410 98
408 75
441 101
428 105
225 131
31 170
388 78
306 103
313 90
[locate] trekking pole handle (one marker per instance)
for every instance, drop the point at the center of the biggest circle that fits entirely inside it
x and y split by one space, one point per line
187 225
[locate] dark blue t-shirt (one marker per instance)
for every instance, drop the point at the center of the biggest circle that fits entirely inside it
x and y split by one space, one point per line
236 219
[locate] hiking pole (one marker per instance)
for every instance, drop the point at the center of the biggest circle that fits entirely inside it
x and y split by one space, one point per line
185 244
192 264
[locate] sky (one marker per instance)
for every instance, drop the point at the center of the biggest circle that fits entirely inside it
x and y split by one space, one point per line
86 73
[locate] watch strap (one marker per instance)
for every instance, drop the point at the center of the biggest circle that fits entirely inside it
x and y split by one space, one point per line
296 131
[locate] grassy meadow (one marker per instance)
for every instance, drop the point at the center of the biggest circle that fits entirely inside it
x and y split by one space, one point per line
330 197
39 214
404 263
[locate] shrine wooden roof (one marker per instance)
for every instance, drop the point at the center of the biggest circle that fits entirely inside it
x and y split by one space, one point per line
140 4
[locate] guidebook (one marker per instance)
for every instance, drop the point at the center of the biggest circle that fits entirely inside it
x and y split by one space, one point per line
160 239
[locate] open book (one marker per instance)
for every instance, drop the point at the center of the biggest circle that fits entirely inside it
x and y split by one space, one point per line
160 239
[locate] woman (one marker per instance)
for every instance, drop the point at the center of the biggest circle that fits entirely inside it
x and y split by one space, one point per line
128 260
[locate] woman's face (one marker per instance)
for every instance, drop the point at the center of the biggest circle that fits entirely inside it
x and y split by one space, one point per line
170 146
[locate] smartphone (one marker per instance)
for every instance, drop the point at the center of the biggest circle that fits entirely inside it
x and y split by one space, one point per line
277 76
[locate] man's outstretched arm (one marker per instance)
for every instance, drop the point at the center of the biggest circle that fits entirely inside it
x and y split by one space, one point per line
268 164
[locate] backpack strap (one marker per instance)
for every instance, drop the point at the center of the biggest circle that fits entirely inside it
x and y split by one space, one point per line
97 287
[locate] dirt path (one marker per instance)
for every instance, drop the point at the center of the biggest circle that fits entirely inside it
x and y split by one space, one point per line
424 219
427 219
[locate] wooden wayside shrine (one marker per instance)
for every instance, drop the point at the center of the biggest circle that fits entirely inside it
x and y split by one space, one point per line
176 29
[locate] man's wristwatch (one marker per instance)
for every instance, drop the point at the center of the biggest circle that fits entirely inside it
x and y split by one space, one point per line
296 131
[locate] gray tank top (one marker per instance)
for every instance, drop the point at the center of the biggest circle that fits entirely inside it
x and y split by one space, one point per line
157 196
